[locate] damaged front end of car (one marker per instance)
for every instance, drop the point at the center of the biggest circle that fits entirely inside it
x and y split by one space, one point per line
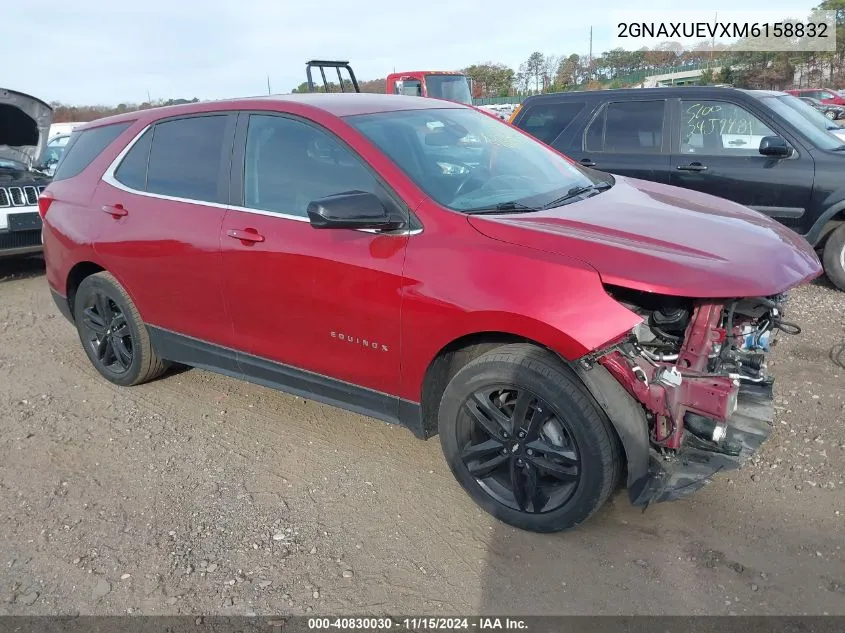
697 370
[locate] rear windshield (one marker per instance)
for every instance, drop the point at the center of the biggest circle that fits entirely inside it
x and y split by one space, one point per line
809 121
84 146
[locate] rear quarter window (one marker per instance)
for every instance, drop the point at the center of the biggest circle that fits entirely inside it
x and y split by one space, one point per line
84 146
548 121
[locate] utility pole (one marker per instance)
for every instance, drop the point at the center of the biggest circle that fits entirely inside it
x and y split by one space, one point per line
268 85
590 58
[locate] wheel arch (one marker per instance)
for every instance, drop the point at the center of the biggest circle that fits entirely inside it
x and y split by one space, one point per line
827 222
75 276
626 416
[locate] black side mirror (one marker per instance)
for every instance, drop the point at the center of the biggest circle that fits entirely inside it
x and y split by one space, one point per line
351 210
774 146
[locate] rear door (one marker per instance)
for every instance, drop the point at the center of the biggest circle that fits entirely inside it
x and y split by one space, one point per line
163 202
716 150
628 138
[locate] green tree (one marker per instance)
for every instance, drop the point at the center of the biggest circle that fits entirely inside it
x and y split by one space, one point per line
491 78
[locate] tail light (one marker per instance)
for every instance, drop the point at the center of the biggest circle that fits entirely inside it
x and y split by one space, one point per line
44 202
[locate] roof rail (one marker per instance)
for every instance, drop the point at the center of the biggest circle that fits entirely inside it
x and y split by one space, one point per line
322 64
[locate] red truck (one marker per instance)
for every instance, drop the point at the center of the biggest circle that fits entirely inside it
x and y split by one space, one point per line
437 84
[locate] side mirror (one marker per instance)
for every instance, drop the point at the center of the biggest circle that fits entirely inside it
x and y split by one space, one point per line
774 146
350 210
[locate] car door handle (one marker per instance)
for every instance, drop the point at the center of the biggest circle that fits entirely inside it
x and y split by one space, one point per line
693 167
587 162
115 210
245 235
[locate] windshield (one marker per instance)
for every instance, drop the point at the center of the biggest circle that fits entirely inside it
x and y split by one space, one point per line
809 121
467 160
451 87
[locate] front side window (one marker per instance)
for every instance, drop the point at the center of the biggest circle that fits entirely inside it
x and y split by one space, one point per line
720 128
289 164
185 157
467 161
451 87
806 119
627 127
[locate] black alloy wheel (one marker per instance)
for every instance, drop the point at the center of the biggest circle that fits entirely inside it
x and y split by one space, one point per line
526 439
518 449
108 333
111 331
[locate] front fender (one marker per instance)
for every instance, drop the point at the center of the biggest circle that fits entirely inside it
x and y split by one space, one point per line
834 204
627 417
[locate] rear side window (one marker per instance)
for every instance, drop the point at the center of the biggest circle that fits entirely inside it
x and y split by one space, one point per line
132 170
185 157
627 127
547 122
84 146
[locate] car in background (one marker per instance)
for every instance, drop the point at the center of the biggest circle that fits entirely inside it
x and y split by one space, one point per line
767 150
53 153
418 261
57 129
825 95
24 125
829 110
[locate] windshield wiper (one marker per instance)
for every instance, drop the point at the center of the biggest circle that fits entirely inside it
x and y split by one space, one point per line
838 149
503 207
575 192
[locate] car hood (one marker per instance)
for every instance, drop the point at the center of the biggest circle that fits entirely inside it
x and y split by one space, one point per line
24 126
653 237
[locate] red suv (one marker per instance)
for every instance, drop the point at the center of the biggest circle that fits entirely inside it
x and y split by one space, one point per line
564 331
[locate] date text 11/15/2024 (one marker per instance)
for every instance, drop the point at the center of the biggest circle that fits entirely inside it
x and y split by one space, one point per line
417 623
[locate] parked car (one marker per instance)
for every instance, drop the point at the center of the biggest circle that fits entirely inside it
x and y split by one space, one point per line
829 110
53 153
24 122
761 149
825 95
561 330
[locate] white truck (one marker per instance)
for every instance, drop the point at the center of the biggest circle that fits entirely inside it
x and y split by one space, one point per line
24 130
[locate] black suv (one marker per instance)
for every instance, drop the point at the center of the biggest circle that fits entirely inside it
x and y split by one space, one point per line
766 150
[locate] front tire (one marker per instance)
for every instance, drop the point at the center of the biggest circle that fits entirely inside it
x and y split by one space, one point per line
526 441
112 333
830 114
833 257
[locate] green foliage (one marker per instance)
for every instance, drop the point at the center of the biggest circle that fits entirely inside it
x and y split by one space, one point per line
490 79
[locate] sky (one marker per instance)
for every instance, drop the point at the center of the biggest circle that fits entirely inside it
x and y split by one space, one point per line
106 52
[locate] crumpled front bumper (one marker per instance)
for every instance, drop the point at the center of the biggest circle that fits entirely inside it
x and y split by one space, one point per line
692 468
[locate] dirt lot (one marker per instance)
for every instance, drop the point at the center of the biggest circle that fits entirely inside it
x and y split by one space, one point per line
201 494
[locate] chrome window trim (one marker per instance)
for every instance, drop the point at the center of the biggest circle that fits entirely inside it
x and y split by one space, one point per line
109 178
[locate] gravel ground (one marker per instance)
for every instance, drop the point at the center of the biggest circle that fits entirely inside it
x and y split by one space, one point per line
201 494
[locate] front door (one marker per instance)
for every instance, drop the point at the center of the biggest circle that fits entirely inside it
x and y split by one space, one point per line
717 152
627 138
312 309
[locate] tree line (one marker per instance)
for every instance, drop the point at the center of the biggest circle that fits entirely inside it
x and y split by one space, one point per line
617 68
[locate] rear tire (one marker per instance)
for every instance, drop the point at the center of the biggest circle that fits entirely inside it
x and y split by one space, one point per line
526 441
833 257
112 333
830 114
